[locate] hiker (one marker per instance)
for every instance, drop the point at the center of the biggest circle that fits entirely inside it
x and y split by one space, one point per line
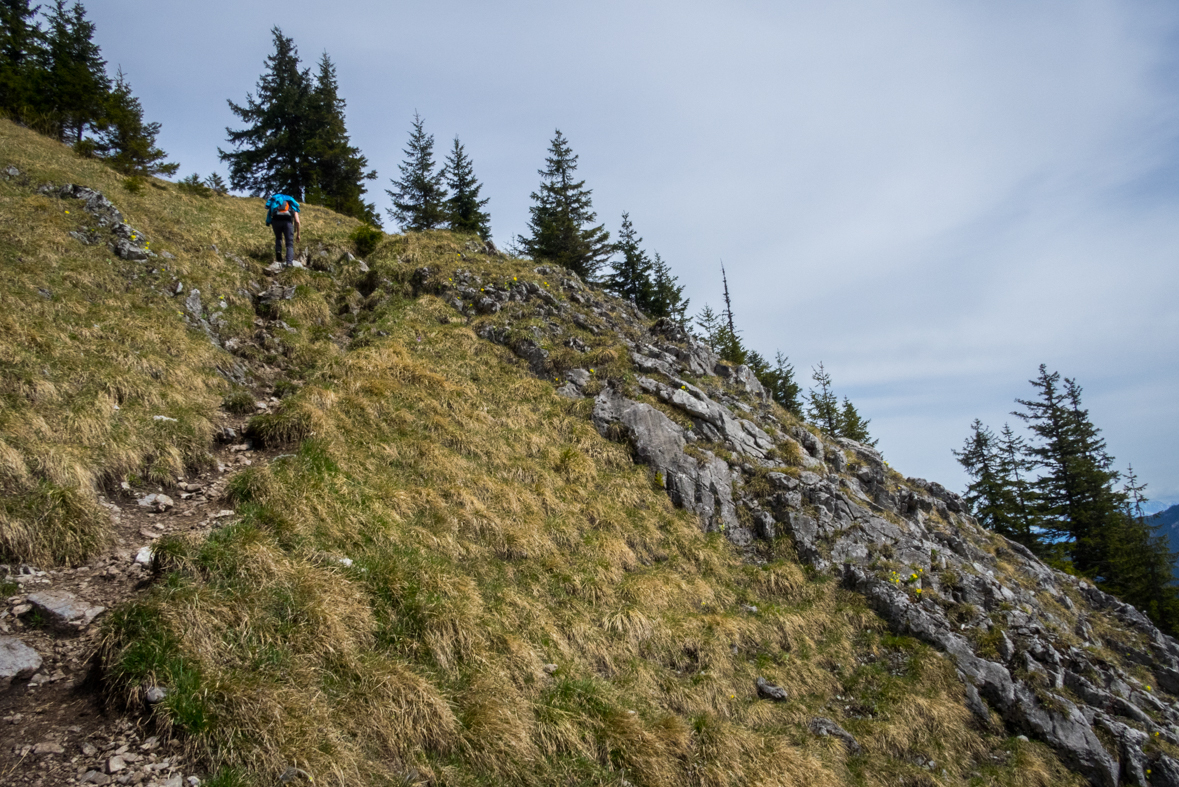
282 213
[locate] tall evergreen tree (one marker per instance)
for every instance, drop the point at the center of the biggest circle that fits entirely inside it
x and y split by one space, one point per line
464 209
419 202
562 217
631 274
21 58
75 88
667 296
126 142
271 153
337 168
1075 495
852 426
823 408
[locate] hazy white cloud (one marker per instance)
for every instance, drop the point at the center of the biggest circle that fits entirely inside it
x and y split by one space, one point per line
932 198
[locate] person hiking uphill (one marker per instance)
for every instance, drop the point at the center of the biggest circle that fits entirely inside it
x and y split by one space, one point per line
282 213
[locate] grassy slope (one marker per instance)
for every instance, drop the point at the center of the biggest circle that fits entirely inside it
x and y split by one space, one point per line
492 532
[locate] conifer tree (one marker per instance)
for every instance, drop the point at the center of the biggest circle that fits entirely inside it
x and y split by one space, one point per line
271 153
217 184
562 217
709 323
728 343
126 142
667 297
778 380
1076 499
419 202
852 426
631 275
21 58
991 494
464 209
337 168
75 88
1140 562
1016 468
823 408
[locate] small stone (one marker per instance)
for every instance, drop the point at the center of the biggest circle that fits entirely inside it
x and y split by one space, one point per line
115 764
48 747
769 691
96 777
89 749
144 556
154 695
550 668
156 502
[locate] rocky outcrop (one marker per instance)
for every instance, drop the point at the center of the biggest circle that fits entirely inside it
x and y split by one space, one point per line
1021 634
703 485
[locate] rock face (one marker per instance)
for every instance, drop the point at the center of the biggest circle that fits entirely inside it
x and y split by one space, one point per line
701 485
17 660
1022 635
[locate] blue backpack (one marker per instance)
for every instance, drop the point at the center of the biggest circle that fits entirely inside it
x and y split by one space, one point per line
282 207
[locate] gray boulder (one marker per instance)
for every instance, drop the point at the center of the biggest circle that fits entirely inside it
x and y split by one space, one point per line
17 661
65 611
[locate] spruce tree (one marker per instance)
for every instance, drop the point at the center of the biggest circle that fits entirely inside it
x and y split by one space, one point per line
667 297
1075 495
562 217
778 380
75 89
1139 560
709 323
21 58
337 168
217 184
823 408
728 343
852 426
270 154
631 274
1016 469
125 141
419 202
464 209
991 494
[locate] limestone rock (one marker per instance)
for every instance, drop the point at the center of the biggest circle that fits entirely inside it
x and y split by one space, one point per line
17 661
65 610
823 726
769 691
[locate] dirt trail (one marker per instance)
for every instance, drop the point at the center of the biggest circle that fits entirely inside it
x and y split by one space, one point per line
54 728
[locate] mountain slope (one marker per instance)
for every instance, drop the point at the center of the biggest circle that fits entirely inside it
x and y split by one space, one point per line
492 526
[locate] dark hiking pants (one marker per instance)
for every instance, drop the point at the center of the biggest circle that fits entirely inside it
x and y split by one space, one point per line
284 228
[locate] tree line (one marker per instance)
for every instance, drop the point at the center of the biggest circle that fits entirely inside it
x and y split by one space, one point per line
1057 493
54 80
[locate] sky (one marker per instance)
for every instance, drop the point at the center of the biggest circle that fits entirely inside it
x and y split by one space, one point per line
930 198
